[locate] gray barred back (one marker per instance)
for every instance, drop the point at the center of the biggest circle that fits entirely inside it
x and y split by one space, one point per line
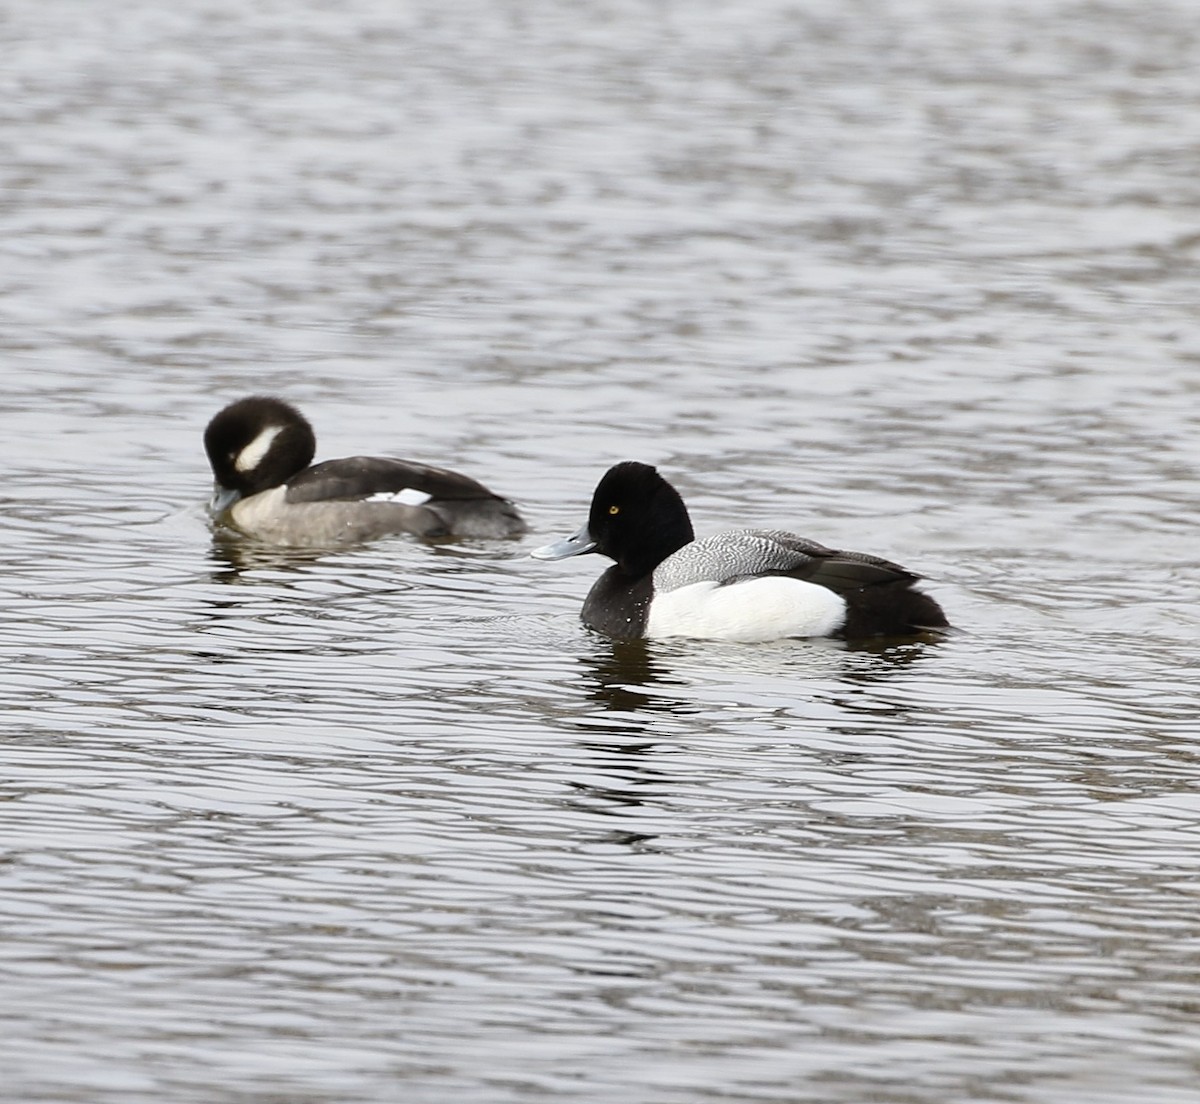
735 554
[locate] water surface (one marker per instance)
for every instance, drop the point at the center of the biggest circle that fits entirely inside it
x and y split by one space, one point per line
390 824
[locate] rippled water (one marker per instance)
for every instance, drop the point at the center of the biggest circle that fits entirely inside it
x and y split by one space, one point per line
389 824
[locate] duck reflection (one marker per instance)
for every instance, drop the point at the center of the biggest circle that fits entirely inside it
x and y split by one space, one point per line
637 675
640 686
886 656
621 678
631 688
233 557
869 664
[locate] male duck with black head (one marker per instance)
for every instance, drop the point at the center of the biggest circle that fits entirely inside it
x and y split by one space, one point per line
747 585
261 449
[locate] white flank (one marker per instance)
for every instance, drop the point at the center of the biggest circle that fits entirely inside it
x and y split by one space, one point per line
770 607
407 497
251 456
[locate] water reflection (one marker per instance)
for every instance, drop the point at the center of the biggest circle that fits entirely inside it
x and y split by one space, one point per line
620 678
649 695
624 676
401 777
235 556
620 675
896 651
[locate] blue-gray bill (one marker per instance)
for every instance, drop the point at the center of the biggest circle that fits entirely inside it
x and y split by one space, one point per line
222 499
575 545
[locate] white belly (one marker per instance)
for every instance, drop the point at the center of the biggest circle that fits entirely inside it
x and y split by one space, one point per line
769 608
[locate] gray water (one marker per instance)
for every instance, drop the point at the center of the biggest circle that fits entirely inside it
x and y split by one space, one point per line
390 825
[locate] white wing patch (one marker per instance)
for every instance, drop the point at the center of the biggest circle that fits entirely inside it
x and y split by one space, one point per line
252 455
410 496
770 607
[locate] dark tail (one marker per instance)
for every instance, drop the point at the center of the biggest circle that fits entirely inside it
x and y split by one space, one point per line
891 609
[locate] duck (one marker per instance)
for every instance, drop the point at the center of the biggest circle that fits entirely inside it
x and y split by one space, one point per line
742 585
267 488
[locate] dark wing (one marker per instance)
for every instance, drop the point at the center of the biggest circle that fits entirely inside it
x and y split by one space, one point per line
359 477
800 558
880 597
846 571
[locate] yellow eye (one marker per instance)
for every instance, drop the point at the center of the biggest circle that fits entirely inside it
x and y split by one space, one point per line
614 509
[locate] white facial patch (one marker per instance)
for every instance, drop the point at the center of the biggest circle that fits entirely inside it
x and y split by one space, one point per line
252 455
770 607
407 497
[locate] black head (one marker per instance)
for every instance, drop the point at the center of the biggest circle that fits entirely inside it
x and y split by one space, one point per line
637 518
258 443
